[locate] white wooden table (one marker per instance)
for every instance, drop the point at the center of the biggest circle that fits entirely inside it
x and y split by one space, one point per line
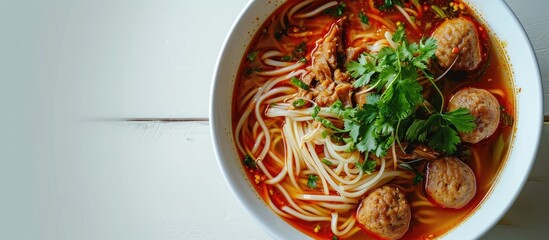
105 134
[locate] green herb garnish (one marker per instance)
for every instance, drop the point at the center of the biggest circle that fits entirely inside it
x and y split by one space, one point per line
418 177
392 75
440 130
325 122
299 103
363 18
311 181
336 11
389 4
286 58
327 162
249 161
298 83
325 134
369 166
252 56
440 13
396 71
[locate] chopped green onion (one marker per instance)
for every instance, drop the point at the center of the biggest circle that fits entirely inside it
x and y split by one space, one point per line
297 82
286 58
325 134
299 103
327 162
439 11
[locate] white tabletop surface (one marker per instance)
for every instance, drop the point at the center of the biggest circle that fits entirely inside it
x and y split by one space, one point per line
105 132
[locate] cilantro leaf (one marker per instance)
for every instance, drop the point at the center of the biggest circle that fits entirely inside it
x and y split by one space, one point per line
338 109
441 129
428 48
368 140
311 181
388 74
425 51
369 166
372 98
461 119
445 139
399 35
392 75
400 99
362 70
353 128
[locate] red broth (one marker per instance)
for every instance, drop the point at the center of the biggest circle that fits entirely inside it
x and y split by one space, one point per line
484 158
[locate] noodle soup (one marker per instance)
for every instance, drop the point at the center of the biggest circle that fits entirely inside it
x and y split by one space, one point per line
336 100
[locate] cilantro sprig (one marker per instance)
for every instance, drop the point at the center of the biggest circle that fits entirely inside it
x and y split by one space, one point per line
390 112
440 130
396 71
367 128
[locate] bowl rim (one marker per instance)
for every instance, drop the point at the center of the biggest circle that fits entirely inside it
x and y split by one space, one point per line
466 226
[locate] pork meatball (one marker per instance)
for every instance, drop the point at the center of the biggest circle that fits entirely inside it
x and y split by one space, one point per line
450 182
455 37
483 106
385 212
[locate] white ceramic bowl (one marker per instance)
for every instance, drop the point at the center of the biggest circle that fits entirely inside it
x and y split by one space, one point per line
499 19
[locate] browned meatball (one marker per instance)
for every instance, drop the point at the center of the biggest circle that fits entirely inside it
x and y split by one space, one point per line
483 106
450 182
385 212
458 36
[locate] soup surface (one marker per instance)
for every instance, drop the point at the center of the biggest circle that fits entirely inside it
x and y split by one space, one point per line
373 119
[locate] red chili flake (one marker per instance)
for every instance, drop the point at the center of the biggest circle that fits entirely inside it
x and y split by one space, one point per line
455 50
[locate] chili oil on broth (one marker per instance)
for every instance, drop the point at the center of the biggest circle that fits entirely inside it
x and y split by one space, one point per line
289 33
